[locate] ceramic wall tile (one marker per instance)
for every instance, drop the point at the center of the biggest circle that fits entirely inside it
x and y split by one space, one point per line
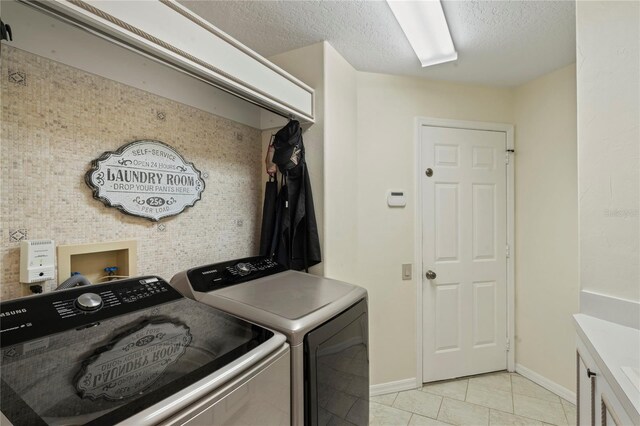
56 119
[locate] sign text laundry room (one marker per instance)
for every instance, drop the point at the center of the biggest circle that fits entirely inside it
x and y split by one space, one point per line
145 178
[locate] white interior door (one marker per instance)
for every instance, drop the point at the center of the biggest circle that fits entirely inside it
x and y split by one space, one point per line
464 243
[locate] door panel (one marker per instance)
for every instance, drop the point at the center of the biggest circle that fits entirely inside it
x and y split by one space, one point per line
448 318
464 242
446 155
447 228
484 313
484 221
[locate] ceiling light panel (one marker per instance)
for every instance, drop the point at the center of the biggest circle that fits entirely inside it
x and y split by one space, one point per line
425 26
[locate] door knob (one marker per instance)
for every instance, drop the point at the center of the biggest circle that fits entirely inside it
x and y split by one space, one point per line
431 275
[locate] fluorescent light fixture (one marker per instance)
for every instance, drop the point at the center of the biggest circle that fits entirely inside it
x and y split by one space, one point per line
425 26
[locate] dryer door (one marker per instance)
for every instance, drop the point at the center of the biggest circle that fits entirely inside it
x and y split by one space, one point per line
337 369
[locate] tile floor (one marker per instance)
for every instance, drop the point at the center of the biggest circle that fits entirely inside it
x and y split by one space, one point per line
495 399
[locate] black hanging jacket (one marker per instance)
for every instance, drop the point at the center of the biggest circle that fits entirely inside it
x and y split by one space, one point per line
296 243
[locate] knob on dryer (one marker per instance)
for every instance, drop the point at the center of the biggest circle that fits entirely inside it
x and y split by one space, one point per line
89 302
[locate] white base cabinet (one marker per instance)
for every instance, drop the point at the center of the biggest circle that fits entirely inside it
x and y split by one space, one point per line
605 397
597 403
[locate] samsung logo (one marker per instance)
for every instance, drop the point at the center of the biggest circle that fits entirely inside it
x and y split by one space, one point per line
14 312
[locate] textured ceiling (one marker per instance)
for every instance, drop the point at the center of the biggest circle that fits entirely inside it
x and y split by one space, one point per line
500 43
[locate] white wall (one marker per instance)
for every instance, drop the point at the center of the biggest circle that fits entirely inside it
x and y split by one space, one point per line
387 106
340 168
54 39
608 45
546 255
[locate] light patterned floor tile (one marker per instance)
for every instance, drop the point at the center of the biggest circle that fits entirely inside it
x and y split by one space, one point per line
418 420
496 399
387 416
498 418
422 403
570 412
539 409
456 389
524 386
489 397
386 399
497 381
463 413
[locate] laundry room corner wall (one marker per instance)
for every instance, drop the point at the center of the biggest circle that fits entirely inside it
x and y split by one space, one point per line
340 173
307 64
608 47
387 107
546 252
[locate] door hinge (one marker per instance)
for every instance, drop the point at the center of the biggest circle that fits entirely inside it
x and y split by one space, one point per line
507 346
508 251
507 157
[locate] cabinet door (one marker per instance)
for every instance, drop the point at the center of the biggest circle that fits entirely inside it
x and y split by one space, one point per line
611 411
608 416
586 387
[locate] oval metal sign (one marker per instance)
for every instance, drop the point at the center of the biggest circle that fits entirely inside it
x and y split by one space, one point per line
145 178
134 362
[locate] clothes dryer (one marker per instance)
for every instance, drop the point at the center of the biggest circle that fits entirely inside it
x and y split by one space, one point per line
325 321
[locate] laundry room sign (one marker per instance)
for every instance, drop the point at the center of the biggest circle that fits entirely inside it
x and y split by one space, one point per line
145 178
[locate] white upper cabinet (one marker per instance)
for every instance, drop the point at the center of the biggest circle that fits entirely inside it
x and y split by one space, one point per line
167 31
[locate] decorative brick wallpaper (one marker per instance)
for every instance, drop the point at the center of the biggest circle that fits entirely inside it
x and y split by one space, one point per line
56 119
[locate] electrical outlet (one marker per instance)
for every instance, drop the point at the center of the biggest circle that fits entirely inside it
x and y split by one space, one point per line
406 271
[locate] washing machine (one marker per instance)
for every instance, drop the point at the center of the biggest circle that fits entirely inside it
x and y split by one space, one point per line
136 352
325 322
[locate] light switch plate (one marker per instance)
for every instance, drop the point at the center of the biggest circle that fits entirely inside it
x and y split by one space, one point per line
406 271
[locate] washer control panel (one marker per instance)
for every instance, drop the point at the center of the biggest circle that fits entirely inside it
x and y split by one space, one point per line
78 307
219 275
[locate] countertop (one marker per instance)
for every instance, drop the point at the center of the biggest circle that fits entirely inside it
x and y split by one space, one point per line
616 351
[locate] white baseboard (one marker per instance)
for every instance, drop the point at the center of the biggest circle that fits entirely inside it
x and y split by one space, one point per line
559 390
389 387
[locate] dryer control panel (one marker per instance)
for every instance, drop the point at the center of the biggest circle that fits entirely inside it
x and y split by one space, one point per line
220 275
